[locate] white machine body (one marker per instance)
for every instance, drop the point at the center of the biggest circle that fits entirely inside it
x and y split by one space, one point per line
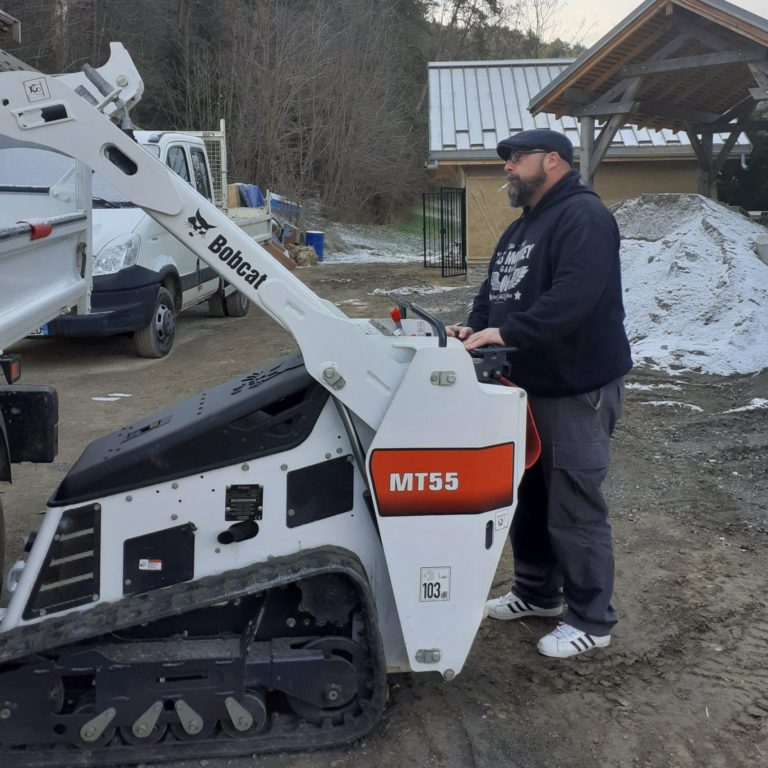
441 453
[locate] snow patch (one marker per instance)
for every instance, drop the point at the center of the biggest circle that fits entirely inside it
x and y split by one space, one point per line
695 291
754 405
651 387
409 290
351 244
673 404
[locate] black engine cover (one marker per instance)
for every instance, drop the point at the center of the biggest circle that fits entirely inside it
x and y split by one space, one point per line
268 410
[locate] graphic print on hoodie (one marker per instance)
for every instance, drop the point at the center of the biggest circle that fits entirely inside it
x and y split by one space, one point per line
508 271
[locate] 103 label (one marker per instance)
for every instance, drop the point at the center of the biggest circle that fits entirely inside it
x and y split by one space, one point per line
435 584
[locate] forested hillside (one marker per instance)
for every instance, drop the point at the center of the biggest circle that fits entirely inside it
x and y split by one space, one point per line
324 99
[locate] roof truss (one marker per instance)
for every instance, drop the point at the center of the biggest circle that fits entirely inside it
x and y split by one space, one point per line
694 65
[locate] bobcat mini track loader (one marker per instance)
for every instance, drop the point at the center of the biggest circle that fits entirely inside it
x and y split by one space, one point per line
238 573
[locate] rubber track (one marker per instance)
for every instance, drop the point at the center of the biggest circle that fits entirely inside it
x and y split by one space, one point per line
172 601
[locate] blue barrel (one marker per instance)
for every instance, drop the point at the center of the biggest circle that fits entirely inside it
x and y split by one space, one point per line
315 239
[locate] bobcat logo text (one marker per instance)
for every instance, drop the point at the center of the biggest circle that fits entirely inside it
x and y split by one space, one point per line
235 261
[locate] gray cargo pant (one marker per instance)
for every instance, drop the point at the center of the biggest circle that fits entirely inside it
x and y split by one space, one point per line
561 537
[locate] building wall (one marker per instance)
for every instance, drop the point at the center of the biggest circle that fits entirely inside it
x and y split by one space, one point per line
488 211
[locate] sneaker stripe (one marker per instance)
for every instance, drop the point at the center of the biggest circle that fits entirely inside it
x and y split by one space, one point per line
589 637
516 605
576 646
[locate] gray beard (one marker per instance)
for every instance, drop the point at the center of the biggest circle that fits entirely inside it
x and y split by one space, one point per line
521 191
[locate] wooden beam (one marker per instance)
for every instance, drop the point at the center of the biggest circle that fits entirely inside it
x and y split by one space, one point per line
603 143
725 19
707 177
749 125
638 47
683 114
619 89
720 59
703 149
737 110
579 96
693 137
606 109
741 114
625 89
609 130
725 150
707 34
760 73
587 143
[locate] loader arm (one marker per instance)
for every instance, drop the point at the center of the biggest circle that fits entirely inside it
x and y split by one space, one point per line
361 367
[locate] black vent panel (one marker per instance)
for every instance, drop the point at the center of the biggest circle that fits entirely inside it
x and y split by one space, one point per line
70 574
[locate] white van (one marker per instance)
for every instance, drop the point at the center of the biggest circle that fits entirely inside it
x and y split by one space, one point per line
143 276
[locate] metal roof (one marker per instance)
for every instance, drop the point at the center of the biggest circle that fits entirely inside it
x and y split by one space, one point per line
473 105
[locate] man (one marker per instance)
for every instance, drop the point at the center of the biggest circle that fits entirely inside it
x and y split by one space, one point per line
553 292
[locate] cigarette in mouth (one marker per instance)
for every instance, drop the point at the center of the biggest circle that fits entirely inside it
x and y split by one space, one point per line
503 186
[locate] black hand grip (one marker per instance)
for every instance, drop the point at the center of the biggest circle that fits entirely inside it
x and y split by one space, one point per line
491 349
246 529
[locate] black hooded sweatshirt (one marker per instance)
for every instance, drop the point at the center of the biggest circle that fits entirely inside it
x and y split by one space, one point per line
554 291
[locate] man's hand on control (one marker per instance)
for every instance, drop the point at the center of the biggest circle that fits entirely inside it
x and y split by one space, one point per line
483 339
459 331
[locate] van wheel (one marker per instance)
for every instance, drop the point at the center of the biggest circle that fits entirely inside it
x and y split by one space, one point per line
156 339
217 305
237 304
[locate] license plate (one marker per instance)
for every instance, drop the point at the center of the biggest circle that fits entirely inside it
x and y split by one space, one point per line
41 331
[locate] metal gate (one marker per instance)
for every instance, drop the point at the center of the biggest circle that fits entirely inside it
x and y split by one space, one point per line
445 230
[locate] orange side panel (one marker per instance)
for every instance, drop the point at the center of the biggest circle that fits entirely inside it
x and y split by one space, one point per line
436 481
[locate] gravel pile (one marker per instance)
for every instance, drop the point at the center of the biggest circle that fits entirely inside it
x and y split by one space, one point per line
695 291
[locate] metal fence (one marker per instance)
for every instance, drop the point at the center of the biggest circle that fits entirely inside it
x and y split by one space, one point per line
445 230
216 149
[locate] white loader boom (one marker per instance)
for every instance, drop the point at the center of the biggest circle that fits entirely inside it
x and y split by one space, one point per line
443 453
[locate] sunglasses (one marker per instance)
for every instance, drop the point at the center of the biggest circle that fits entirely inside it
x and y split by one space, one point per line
516 157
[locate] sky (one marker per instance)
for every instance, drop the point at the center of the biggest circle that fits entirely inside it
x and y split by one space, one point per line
602 15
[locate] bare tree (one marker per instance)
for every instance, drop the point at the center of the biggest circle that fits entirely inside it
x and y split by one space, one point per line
542 21
318 94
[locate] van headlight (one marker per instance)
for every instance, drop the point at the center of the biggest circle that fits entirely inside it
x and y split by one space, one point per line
116 255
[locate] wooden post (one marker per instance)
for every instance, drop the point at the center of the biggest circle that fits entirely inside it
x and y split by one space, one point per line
707 175
587 146
702 146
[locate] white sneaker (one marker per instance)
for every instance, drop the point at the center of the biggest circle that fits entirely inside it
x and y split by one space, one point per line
510 606
565 641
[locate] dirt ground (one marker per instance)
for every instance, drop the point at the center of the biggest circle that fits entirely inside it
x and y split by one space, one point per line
684 683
